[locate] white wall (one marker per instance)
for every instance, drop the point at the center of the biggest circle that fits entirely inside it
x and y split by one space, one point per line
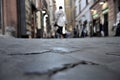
83 4
85 13
38 19
77 7
85 10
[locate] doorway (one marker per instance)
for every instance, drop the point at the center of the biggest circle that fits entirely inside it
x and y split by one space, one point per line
106 24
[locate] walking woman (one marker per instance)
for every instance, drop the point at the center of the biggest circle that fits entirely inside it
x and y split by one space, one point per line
60 20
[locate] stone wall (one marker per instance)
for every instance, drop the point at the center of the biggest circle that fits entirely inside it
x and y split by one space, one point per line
10 17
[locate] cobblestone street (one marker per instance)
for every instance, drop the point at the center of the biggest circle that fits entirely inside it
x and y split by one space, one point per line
60 59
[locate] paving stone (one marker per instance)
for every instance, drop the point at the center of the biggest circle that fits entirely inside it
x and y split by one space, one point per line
60 59
86 72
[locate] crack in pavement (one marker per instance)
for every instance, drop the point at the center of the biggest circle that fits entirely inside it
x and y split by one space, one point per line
70 66
63 52
113 54
47 51
34 53
57 70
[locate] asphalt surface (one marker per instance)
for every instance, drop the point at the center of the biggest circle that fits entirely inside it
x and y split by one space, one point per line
60 59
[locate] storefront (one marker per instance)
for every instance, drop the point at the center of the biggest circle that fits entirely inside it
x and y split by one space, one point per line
105 18
95 23
103 14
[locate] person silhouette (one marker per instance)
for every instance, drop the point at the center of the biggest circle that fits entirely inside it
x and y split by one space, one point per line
118 23
60 20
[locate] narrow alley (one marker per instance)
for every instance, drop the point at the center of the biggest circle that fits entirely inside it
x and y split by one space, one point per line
59 39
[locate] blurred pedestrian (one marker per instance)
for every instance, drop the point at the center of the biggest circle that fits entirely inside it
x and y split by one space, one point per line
118 23
60 21
75 32
101 29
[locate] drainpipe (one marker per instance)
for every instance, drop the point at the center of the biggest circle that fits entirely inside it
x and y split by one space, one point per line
2 17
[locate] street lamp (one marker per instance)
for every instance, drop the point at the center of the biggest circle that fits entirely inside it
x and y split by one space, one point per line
101 2
46 15
92 10
43 12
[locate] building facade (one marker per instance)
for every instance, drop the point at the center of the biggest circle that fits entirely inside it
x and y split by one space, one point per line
70 14
103 12
52 9
83 17
97 16
23 18
9 17
39 19
46 21
27 21
15 17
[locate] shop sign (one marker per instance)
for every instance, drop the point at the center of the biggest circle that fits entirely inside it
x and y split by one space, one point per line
105 11
95 16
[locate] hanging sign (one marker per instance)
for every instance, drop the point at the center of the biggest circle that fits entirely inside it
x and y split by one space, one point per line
95 16
105 11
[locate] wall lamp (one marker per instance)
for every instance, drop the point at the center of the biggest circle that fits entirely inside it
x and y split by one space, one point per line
101 2
43 12
92 10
